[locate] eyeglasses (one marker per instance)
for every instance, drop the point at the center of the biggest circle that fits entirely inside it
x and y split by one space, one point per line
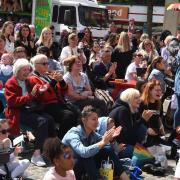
44 63
4 131
67 155
139 55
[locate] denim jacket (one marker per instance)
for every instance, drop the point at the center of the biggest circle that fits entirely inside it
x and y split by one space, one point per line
83 146
177 77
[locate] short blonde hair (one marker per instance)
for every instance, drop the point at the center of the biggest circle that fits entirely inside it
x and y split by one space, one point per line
129 95
168 39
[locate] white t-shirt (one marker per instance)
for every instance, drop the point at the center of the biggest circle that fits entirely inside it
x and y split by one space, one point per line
9 46
131 69
68 51
53 175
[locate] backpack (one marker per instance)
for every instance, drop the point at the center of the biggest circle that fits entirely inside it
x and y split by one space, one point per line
105 96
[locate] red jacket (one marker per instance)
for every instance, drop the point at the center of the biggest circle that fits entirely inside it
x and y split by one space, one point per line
50 95
15 100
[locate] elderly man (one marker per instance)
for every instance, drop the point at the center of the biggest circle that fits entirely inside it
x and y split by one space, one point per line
105 70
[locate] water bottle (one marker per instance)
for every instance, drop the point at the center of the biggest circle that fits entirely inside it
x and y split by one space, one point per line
134 161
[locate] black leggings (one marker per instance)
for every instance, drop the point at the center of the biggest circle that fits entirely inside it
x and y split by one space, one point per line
64 116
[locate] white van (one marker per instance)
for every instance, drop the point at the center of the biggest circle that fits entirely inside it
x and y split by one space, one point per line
79 14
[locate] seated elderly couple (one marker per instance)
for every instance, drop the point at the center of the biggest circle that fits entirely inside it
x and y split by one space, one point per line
24 89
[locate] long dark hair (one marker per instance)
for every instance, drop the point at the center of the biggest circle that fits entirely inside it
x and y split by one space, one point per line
53 148
153 65
20 32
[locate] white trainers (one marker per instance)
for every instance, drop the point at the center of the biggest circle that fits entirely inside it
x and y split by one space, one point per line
38 161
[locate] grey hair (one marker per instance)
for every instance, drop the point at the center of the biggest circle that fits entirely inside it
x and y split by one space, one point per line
128 96
37 58
19 64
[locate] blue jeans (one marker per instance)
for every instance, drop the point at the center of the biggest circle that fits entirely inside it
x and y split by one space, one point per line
91 166
127 152
177 113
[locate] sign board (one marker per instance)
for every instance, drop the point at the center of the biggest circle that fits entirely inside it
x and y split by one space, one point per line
42 15
118 12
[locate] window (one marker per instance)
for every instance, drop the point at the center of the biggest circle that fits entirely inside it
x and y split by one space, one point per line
62 10
55 13
132 2
90 16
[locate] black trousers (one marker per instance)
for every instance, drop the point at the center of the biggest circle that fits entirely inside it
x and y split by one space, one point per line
97 103
42 125
64 116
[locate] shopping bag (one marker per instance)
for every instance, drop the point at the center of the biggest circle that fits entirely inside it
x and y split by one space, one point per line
106 170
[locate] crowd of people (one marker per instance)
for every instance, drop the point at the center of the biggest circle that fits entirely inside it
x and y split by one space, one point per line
49 87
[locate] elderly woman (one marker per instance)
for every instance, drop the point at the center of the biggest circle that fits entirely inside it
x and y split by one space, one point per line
79 89
90 148
125 113
18 95
52 86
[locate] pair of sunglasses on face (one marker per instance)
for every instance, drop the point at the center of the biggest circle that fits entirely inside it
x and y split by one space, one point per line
4 131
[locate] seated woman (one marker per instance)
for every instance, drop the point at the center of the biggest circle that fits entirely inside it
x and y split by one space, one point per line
131 72
79 89
18 94
89 147
156 70
125 113
150 108
52 87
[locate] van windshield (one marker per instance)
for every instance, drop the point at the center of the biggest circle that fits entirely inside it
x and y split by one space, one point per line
95 17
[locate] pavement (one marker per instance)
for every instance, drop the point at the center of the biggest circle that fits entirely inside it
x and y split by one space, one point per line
37 173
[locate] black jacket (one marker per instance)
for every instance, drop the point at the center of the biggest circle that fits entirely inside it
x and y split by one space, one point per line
123 116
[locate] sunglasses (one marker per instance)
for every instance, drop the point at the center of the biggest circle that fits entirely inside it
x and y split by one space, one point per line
139 55
68 155
4 131
44 63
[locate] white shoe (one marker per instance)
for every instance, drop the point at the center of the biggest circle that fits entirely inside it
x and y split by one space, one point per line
38 161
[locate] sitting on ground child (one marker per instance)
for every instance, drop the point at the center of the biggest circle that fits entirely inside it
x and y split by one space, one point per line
15 166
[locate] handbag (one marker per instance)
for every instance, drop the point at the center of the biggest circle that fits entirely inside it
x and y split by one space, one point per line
34 106
105 96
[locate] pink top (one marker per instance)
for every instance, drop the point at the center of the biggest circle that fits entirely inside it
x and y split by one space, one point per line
53 175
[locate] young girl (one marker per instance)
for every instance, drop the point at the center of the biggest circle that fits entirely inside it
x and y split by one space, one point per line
15 166
95 55
6 69
61 156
